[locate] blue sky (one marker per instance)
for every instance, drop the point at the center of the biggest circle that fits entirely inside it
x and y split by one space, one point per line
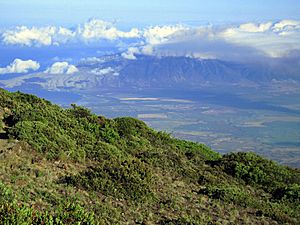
45 31
144 12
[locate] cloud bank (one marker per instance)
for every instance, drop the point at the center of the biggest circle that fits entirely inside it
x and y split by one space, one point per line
34 36
269 39
274 39
236 42
99 29
51 35
20 66
61 68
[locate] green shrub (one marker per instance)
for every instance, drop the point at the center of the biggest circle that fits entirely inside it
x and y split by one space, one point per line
128 127
127 172
126 179
258 171
15 213
290 193
192 150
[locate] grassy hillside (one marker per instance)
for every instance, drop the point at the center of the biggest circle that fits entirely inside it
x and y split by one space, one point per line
70 166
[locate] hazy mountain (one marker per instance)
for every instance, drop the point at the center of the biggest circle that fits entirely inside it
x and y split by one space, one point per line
169 71
148 71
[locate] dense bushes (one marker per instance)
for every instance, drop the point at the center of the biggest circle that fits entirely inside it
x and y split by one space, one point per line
122 179
194 150
46 138
280 182
121 171
262 204
258 171
290 193
14 212
76 132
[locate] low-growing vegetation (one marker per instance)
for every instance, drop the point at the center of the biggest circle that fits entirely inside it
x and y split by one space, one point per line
70 166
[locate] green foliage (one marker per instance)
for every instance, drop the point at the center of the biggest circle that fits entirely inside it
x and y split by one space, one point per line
290 193
76 132
228 193
122 179
193 150
46 138
120 171
258 171
244 198
128 127
13 212
177 221
6 194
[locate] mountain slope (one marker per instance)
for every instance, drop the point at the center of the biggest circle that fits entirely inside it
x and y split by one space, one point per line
174 71
147 71
65 166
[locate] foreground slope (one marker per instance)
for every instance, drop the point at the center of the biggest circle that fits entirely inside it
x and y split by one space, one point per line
69 166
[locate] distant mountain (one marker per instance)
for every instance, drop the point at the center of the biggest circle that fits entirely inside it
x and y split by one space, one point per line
169 71
148 71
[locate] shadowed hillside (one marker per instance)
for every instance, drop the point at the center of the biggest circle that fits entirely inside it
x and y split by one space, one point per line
70 166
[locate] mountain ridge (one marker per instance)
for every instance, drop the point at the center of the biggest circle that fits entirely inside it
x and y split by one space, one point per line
150 71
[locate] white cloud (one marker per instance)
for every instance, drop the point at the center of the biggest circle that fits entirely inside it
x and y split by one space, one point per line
274 39
37 36
130 54
147 50
24 36
51 35
285 25
153 36
61 68
159 34
99 29
255 28
20 66
232 42
270 39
